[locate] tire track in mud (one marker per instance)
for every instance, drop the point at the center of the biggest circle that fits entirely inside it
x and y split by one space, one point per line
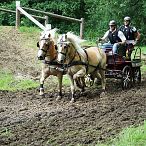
30 120
35 120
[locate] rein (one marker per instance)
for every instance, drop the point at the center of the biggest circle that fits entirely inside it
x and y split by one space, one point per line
79 62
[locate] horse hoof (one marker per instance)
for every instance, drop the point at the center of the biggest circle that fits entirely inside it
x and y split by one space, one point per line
72 100
102 94
58 98
83 90
41 94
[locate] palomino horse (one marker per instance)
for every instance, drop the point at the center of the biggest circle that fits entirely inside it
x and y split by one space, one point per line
48 53
81 62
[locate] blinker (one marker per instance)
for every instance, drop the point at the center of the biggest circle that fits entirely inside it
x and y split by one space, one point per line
38 44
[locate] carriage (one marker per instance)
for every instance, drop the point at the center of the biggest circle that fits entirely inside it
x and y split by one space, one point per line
90 62
125 65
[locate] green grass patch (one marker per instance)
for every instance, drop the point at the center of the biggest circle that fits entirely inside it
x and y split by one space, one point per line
10 83
143 50
66 80
5 132
29 30
132 136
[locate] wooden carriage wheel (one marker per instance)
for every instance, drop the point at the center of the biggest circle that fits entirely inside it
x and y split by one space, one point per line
126 77
137 75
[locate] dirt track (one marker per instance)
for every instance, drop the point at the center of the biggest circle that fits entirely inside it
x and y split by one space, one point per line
30 120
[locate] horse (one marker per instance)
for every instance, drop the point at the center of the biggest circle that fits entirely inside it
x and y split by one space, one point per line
81 62
47 53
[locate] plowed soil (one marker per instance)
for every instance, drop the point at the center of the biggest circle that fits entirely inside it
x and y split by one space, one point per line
27 119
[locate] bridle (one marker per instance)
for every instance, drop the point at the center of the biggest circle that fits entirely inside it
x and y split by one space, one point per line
47 45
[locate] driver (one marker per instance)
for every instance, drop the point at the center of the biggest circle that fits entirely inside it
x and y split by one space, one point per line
116 37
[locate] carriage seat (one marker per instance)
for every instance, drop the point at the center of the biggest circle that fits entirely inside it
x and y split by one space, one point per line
117 58
107 48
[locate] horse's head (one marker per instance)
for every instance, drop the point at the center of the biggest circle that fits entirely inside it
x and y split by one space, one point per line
47 39
63 48
68 44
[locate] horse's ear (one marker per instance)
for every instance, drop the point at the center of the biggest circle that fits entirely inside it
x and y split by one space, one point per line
65 36
38 44
49 35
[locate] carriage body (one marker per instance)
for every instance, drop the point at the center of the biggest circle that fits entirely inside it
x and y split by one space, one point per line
124 66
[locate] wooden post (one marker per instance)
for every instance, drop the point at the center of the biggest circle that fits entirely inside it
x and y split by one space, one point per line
48 26
46 20
17 14
81 27
31 18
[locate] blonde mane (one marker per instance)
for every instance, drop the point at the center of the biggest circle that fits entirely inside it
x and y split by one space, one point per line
52 32
76 41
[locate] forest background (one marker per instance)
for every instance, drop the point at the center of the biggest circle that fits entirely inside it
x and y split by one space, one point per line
97 14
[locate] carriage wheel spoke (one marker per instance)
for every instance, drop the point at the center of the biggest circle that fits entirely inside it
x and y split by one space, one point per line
126 79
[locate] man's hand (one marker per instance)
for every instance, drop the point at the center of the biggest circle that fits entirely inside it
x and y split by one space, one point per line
136 41
99 39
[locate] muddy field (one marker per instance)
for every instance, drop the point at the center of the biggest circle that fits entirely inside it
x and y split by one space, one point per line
26 119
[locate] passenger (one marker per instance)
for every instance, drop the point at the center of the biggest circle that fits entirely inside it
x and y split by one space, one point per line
131 34
116 38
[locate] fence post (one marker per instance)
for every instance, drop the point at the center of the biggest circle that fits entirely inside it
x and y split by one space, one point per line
46 20
17 15
81 27
48 26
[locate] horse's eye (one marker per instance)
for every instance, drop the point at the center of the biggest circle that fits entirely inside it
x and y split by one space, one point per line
65 47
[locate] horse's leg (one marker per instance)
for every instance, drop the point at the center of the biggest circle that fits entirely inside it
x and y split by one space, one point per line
103 82
80 77
78 82
83 84
72 86
42 79
60 77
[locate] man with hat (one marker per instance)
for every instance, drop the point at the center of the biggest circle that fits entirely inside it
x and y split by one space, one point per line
130 32
115 37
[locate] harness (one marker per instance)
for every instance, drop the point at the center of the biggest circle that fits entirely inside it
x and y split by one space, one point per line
80 62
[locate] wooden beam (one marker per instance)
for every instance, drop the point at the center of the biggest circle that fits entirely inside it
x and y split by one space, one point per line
11 11
31 18
5 10
81 28
17 14
53 15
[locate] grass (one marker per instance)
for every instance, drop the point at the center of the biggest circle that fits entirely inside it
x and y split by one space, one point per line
10 83
29 30
132 136
5 132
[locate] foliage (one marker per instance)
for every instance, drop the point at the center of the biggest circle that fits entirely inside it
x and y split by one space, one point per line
97 14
